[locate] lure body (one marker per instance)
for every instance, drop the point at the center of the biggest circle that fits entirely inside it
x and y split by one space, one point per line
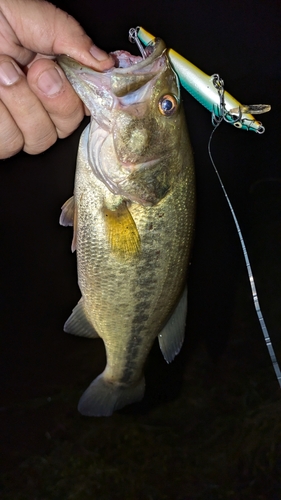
206 90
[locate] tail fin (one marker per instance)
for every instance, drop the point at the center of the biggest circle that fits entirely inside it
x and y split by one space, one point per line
101 398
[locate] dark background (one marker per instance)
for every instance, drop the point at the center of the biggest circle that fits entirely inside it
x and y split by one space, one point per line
240 40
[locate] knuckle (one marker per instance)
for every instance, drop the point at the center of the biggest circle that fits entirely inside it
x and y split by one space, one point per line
68 121
65 128
41 144
10 148
11 138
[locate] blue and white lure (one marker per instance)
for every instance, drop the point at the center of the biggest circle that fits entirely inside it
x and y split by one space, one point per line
209 91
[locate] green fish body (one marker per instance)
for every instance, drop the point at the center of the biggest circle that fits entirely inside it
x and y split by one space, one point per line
133 217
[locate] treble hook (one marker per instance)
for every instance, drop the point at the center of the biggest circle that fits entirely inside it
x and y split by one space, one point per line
219 86
235 115
133 38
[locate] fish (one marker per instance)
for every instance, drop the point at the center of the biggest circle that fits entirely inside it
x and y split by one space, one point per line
132 214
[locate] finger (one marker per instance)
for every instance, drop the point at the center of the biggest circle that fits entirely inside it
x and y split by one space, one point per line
11 138
25 108
41 27
49 84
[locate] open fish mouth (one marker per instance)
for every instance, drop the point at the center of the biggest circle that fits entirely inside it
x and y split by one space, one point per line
124 59
140 66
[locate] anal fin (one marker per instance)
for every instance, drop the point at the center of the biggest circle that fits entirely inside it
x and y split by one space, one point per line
172 336
78 323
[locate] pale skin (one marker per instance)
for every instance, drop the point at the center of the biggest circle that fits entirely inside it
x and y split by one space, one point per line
37 103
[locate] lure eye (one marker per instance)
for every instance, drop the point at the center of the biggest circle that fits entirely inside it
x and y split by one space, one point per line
237 124
168 104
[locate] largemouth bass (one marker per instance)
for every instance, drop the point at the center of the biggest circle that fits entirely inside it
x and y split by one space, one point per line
133 214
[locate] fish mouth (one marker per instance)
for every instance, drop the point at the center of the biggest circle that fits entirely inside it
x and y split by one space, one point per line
123 60
100 91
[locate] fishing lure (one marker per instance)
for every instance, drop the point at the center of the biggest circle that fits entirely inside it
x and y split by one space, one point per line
210 92
207 89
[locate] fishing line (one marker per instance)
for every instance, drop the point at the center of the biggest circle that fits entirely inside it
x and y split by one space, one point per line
216 122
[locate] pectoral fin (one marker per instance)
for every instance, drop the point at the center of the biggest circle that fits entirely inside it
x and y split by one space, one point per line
122 231
172 336
68 218
79 324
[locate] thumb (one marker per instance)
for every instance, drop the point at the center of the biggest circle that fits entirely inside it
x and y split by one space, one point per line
42 27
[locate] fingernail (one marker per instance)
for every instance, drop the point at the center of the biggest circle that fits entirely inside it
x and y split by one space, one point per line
9 73
98 54
50 82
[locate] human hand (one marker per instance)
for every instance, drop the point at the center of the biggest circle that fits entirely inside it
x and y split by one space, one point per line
37 103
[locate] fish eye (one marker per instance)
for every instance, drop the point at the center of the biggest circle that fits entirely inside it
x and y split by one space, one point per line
168 105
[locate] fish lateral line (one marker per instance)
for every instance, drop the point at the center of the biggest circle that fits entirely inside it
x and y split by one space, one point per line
122 232
203 88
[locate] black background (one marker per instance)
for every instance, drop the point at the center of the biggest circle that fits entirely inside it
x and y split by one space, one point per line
240 40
